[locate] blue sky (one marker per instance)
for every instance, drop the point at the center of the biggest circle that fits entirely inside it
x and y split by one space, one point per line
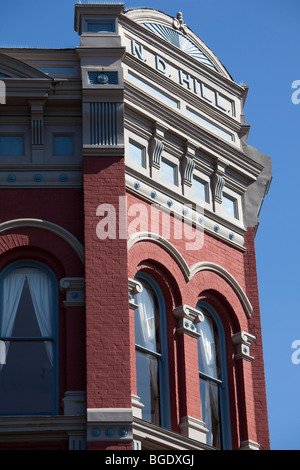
258 42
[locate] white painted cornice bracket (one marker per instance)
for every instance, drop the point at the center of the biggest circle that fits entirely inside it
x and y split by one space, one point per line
188 318
242 342
74 288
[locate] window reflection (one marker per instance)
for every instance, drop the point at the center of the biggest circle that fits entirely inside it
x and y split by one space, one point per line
148 352
210 380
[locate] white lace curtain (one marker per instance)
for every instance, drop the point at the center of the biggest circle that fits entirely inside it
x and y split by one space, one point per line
41 294
208 365
146 313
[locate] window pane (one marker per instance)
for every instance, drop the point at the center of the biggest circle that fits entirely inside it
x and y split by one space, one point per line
11 146
168 172
210 412
208 349
26 377
146 317
199 189
63 145
229 206
148 386
26 380
136 154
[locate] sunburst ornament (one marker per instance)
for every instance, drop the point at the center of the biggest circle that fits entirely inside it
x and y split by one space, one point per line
178 39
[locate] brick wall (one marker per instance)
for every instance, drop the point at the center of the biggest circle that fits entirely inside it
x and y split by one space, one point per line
107 312
246 394
46 247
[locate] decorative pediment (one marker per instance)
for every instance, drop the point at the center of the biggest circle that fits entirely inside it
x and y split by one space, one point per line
174 31
180 40
14 68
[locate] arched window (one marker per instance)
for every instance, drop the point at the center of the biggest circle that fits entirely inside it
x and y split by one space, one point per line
212 378
28 330
151 352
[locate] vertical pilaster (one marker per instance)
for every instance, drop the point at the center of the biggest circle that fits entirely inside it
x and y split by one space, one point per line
109 412
191 424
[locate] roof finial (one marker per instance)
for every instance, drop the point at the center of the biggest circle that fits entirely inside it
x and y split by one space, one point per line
178 22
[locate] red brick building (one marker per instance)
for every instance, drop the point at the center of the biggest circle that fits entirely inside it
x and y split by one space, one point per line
125 171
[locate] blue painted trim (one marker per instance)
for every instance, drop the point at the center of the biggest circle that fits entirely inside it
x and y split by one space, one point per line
164 363
43 267
224 397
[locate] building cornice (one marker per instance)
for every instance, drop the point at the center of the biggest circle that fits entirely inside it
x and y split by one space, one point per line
141 103
40 428
134 25
180 92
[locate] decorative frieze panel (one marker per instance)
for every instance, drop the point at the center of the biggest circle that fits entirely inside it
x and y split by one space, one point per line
37 132
109 424
51 178
103 78
103 123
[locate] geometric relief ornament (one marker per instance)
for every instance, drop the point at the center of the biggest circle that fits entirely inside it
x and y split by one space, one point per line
177 39
103 78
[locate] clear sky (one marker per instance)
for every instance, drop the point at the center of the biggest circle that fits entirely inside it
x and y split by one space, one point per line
259 43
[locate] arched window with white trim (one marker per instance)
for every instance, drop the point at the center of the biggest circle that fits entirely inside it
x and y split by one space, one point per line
28 328
213 378
151 352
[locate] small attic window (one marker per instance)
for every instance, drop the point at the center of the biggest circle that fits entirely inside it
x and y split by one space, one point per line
99 26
